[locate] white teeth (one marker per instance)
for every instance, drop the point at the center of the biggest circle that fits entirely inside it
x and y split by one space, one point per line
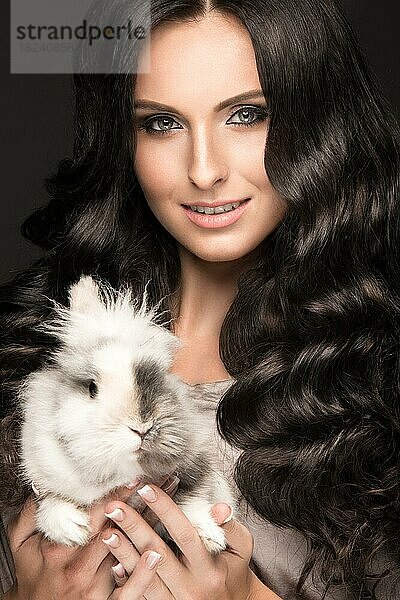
217 210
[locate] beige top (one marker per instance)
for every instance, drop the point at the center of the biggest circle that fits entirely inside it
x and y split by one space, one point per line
278 552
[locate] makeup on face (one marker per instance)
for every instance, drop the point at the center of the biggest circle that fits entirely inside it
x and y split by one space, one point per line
201 129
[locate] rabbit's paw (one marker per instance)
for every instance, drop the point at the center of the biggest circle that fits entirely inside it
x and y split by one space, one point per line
63 522
198 512
213 536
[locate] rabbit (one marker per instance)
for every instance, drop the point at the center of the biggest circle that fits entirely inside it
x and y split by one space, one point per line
104 410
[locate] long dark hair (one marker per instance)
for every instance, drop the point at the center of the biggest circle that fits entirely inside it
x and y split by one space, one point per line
313 334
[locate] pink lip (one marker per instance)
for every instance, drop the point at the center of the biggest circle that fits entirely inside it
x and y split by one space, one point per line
219 220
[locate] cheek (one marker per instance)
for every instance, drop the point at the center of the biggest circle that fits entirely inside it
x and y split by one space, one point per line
245 155
155 168
247 160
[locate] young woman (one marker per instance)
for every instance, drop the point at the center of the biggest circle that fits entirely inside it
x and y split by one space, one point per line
288 304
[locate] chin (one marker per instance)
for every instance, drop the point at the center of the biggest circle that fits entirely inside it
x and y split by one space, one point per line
216 257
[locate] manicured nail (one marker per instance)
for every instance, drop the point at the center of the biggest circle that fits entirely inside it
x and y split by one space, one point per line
113 541
135 482
147 493
153 559
116 515
170 484
229 517
119 570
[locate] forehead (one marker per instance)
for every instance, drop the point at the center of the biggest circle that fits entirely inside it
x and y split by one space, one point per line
211 59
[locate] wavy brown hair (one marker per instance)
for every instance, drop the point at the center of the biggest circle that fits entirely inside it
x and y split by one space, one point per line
313 334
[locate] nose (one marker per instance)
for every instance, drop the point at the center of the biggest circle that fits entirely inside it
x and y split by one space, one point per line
207 166
139 436
142 433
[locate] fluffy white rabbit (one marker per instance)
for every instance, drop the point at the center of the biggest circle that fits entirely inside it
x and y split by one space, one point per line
105 409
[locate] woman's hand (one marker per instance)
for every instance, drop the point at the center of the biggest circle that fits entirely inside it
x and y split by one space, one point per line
196 575
46 570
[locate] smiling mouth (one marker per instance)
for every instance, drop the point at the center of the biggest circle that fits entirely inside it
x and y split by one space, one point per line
217 210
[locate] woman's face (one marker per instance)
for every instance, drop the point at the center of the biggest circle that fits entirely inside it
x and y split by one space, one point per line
197 144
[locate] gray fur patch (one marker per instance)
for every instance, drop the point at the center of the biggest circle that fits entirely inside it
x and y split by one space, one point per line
150 381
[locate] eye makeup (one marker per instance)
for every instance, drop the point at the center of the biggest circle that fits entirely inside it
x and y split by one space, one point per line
259 114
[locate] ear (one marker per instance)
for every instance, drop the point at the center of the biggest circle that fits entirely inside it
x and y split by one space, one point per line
84 295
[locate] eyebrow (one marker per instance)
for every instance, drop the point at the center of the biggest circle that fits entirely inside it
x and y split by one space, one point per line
251 95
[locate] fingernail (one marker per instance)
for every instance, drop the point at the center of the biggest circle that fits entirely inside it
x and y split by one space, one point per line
147 493
119 570
117 514
135 482
153 559
112 541
229 517
170 484
35 489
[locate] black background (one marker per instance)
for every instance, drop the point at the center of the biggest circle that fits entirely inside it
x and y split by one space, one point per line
36 121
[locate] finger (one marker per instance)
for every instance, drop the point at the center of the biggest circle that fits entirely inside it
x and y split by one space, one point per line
143 538
96 512
119 574
177 524
89 558
122 549
170 487
239 538
103 578
136 501
222 513
140 580
128 559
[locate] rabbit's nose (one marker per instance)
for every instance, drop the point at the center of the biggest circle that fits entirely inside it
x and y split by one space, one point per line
139 436
142 433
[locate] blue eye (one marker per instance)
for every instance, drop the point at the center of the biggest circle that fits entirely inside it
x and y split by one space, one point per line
247 115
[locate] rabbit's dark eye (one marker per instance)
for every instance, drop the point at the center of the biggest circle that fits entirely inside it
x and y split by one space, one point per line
93 389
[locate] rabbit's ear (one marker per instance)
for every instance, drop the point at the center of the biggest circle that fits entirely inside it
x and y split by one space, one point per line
84 295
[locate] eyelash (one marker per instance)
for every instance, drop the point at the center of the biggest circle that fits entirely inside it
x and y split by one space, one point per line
261 114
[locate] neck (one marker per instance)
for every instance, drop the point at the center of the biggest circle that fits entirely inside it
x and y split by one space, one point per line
206 292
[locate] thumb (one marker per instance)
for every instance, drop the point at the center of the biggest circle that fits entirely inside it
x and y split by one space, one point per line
239 538
222 513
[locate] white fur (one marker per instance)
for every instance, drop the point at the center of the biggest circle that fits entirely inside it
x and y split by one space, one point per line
76 448
198 513
62 521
